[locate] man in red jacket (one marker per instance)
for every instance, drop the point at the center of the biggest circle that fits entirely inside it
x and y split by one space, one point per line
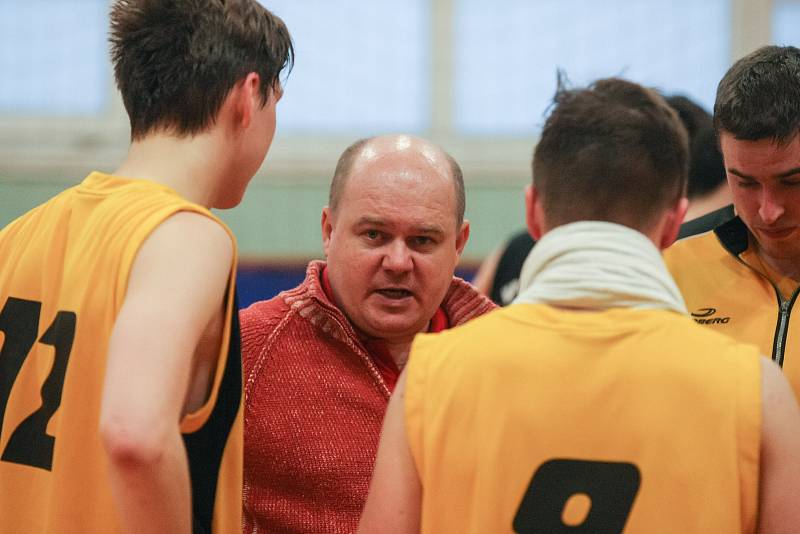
321 360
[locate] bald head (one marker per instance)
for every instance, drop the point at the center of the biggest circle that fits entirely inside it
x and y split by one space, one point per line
414 151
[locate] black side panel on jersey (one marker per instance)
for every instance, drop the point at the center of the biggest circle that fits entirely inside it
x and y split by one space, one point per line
206 446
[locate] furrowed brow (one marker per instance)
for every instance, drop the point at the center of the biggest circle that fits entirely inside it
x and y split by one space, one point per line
790 172
740 174
429 230
370 221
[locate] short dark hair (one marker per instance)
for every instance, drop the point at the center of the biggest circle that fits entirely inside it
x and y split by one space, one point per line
613 152
759 96
691 114
175 61
345 165
706 166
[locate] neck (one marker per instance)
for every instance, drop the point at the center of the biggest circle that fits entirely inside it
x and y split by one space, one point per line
397 348
192 166
783 266
399 351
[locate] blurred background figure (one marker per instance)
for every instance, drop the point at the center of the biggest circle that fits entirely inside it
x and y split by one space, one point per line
708 189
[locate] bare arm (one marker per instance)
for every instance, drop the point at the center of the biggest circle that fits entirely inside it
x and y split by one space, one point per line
176 287
484 278
779 491
395 493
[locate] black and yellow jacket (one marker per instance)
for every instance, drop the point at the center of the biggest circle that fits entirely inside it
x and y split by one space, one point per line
723 292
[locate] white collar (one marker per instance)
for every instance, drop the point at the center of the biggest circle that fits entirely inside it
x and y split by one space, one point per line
598 265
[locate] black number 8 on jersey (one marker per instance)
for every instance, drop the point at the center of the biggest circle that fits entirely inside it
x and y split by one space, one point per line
29 444
611 487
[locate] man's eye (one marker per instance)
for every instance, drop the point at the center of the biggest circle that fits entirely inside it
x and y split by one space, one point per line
746 184
422 240
372 234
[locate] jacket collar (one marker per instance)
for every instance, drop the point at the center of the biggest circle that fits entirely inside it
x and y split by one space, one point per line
733 235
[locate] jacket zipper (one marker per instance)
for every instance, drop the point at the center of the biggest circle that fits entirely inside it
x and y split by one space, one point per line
782 320
782 331
784 310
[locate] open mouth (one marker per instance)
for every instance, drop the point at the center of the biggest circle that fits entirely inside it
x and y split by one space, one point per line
393 293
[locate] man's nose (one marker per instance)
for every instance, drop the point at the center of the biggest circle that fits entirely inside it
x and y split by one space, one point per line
397 257
771 207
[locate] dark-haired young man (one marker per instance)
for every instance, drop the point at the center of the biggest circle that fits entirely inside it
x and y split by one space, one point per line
742 278
593 403
120 375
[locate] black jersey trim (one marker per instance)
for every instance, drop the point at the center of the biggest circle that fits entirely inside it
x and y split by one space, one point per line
707 222
733 235
205 446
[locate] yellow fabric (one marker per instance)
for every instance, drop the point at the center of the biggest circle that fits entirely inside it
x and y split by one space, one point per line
725 294
785 285
86 238
487 404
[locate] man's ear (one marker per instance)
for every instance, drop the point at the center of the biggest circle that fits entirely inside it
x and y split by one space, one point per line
462 237
327 229
245 99
534 214
673 218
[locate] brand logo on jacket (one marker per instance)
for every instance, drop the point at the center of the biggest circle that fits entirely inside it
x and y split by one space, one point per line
705 316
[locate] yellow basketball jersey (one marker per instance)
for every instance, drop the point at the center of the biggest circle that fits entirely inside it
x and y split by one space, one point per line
63 279
534 419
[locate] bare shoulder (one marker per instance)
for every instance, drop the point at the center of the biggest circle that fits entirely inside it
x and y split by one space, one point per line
186 244
779 500
484 278
774 383
183 267
780 412
186 230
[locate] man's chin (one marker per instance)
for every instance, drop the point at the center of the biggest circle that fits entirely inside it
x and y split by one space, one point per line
779 252
394 328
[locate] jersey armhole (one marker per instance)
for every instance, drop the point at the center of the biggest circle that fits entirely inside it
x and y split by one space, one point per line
749 429
414 401
193 421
